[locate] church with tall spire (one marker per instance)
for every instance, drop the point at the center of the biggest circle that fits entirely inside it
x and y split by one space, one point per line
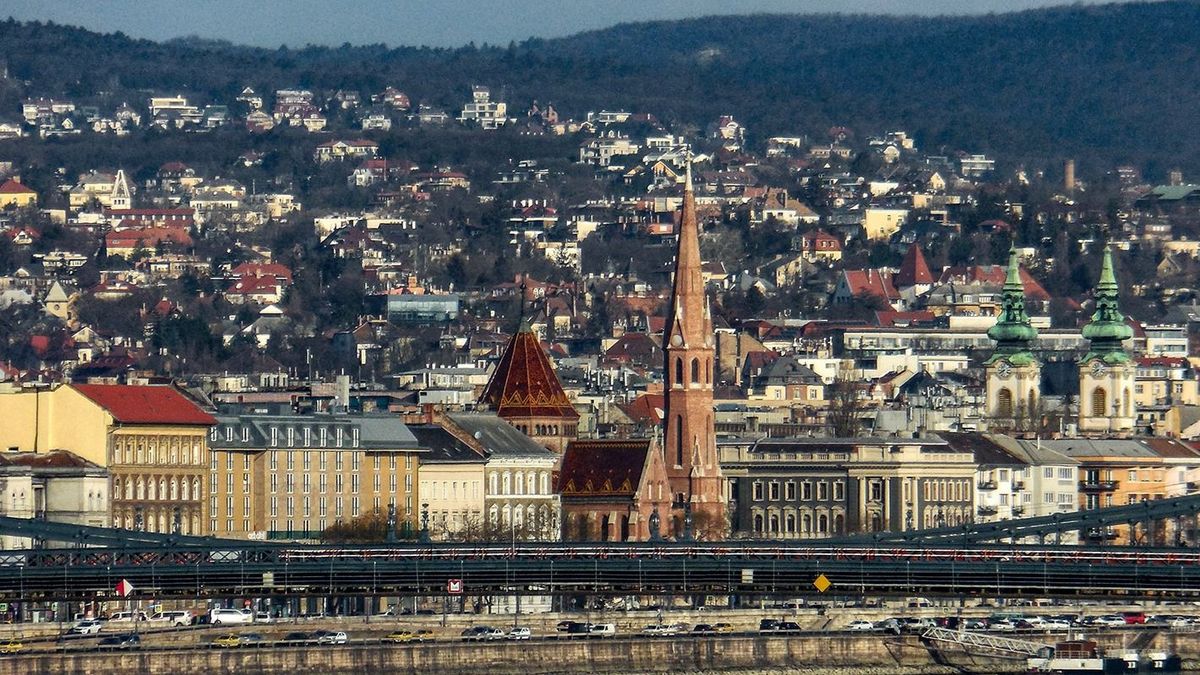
689 435
1106 371
1013 375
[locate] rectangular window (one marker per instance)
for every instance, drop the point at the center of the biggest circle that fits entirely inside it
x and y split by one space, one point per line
307 483
354 483
354 438
245 507
392 462
229 461
806 493
322 484
337 482
1066 473
789 491
274 461
246 463
337 460
306 460
1133 475
408 462
355 461
291 460
274 482
1048 472
291 506
377 459
338 435
408 482
324 435
774 491
274 506
839 491
1048 498
354 507
822 491
758 490
307 436
1065 498
323 461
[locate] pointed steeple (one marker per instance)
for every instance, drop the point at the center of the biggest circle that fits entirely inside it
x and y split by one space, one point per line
686 318
525 390
1107 329
120 199
913 270
1012 332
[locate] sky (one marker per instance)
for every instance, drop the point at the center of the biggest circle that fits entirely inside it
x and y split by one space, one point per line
436 23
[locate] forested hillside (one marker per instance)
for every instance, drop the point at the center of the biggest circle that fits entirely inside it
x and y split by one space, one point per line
1107 84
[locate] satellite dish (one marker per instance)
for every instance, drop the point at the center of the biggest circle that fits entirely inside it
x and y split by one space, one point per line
478 435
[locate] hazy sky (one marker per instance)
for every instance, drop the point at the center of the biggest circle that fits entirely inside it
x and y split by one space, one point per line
270 23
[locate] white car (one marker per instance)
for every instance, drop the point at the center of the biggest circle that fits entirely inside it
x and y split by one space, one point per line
86 627
603 630
219 616
518 633
1055 625
660 629
330 637
860 625
1109 621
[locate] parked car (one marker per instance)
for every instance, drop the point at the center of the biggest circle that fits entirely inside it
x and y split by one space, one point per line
122 641
227 640
181 617
768 625
1003 625
703 629
220 616
125 617
476 633
579 629
518 633
602 630
1056 625
564 626
889 625
722 628
297 637
1134 618
788 627
860 625
403 636
13 646
330 637
1110 621
659 629
86 627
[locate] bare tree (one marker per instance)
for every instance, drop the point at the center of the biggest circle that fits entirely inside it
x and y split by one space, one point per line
843 417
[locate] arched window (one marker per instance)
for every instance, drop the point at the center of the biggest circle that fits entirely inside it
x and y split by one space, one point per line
789 523
1004 403
545 482
758 523
695 371
774 520
519 483
506 482
839 523
195 488
174 489
185 490
823 524
806 524
162 488
494 515
708 371
117 487
493 484
678 370
1099 402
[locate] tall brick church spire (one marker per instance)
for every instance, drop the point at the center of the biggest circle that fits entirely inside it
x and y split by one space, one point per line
689 443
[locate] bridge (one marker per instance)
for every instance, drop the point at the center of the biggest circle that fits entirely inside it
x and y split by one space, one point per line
972 561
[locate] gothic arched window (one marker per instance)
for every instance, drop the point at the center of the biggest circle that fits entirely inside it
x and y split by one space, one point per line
1004 403
1099 402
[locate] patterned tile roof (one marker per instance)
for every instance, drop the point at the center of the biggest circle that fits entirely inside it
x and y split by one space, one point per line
603 468
524 383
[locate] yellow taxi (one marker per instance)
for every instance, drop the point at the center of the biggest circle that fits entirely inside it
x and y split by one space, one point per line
13 646
227 640
405 636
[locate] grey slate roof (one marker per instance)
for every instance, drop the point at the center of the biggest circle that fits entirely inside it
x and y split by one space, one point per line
501 439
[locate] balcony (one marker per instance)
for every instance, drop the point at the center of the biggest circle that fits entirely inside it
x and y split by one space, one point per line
987 485
1018 485
1018 511
988 510
1097 485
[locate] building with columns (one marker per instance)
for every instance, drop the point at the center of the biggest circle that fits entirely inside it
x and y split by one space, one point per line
693 469
1107 373
806 488
1013 374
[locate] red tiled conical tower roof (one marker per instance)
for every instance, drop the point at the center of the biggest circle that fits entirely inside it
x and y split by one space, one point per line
524 383
914 270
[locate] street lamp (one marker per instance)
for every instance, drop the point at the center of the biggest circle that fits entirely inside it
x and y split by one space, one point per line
425 523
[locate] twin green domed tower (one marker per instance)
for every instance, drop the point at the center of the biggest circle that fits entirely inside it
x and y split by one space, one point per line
1106 372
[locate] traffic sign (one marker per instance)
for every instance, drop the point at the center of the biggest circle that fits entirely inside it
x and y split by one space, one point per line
454 586
124 588
822 583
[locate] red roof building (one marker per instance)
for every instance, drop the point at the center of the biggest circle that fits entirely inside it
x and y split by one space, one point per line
914 271
145 404
525 391
611 490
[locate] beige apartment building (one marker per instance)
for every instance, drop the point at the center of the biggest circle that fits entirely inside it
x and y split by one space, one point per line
151 439
279 475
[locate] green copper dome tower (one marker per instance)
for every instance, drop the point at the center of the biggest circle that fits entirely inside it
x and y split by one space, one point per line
1107 330
1013 333
1013 375
1107 373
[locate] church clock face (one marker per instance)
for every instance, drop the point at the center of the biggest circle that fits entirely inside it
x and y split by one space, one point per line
677 340
1004 369
1098 369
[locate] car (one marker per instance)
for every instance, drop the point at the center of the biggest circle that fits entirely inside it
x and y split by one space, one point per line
788 627
1003 626
1110 621
889 625
221 615
722 628
975 624
659 629
601 630
1134 618
518 633
86 627
564 626
330 637
579 629
122 641
860 625
297 637
405 636
703 629
262 617
13 646
126 617
768 625
252 640
181 617
1056 625
227 640
475 633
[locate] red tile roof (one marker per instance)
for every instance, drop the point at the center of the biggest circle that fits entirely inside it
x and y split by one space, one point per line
524 383
12 187
995 275
647 408
608 467
871 282
914 270
138 404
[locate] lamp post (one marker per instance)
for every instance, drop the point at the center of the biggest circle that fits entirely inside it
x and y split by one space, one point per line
425 523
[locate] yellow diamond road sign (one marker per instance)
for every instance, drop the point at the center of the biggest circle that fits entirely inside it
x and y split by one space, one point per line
822 583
